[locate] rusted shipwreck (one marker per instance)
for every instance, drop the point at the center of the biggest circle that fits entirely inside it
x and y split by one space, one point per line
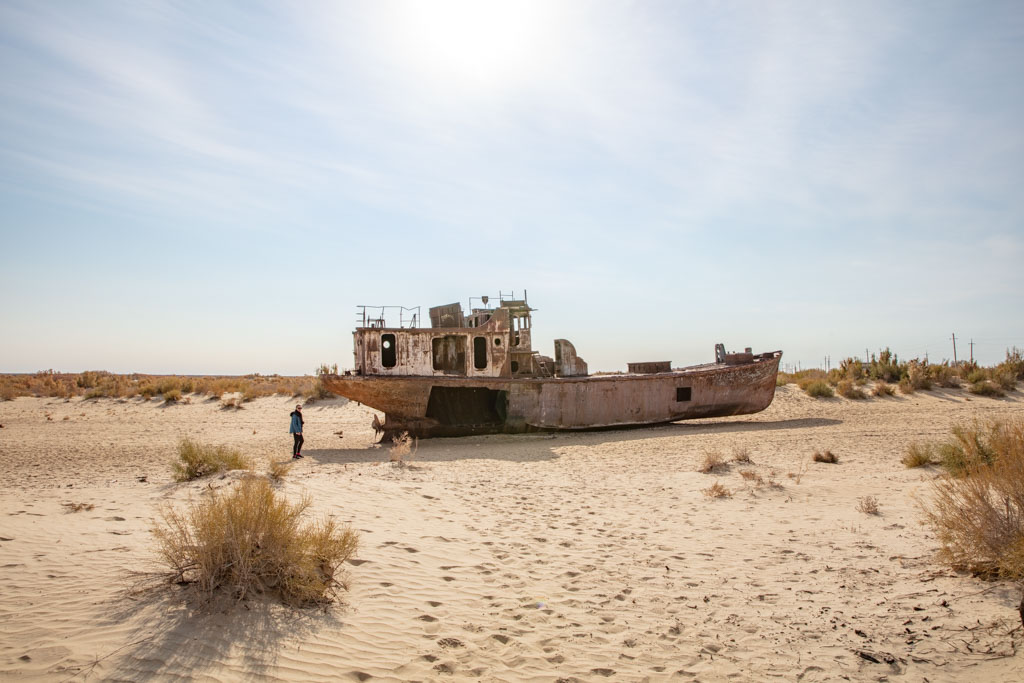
477 373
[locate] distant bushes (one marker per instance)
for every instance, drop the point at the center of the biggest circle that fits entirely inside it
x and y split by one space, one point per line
887 370
95 384
848 389
818 389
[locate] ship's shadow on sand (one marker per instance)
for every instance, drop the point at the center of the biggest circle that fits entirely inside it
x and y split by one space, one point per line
540 446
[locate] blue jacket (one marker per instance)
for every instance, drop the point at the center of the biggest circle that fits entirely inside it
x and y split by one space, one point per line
296 426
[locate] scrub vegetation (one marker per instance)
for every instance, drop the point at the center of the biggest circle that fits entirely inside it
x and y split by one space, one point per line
855 379
252 541
197 460
94 384
976 507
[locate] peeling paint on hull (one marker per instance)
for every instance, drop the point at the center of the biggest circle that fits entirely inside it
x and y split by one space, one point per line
459 406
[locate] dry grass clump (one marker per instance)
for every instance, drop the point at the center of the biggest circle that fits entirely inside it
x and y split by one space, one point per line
848 389
199 460
919 455
868 505
883 388
741 455
977 511
751 475
77 507
172 396
986 387
713 462
252 540
277 470
977 444
826 456
716 490
403 449
818 389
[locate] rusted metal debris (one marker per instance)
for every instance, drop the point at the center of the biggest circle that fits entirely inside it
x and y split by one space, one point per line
477 373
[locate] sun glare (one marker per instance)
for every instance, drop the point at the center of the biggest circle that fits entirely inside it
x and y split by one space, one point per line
480 42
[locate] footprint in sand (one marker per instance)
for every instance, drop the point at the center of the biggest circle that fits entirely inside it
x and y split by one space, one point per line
451 643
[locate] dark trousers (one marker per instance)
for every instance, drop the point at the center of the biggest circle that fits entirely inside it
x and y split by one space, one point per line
298 444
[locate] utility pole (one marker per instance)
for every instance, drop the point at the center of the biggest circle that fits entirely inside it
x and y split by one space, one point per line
972 352
954 348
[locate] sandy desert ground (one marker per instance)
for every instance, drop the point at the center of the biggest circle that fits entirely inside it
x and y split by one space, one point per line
589 556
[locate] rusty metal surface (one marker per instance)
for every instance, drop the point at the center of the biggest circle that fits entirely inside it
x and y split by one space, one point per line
649 367
567 403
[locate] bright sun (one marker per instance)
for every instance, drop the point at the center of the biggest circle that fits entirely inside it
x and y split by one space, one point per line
484 43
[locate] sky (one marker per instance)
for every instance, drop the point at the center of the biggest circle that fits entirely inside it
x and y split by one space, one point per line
213 188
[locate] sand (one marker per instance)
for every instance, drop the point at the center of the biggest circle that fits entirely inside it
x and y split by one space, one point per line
589 556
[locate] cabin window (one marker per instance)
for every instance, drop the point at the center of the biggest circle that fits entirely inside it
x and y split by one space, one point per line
515 366
480 353
682 394
449 354
388 357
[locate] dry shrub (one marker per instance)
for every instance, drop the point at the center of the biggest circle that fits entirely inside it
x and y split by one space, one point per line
818 389
977 512
883 388
172 396
199 460
799 474
868 505
751 475
917 378
252 540
403 449
77 507
716 490
713 462
978 444
277 470
741 455
986 387
8 393
1005 379
944 375
848 389
919 455
826 456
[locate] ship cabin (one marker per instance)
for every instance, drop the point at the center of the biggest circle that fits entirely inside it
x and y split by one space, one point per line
492 341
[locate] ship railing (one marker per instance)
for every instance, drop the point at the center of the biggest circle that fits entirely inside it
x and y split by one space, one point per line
379 316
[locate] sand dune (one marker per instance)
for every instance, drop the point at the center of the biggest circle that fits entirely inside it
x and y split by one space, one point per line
589 556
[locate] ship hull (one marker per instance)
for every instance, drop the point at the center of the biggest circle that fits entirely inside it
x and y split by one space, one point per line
458 406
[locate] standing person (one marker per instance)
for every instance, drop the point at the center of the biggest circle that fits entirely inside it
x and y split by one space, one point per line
296 430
